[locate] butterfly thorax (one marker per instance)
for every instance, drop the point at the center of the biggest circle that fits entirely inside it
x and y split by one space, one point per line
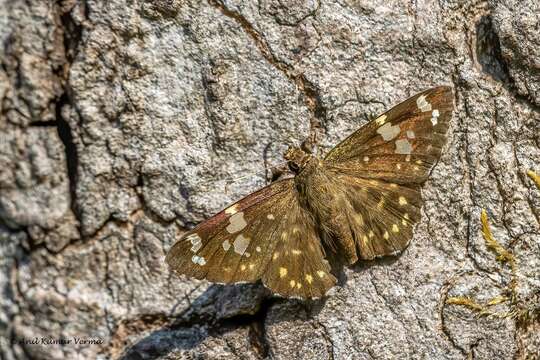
309 174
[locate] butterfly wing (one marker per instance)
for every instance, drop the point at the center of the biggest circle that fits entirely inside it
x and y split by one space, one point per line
267 235
382 165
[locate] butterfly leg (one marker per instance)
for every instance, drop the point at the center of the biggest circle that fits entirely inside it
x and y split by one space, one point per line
276 172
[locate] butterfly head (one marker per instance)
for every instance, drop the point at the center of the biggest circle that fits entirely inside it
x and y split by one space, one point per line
297 159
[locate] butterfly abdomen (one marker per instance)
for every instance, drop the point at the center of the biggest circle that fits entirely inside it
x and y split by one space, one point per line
321 196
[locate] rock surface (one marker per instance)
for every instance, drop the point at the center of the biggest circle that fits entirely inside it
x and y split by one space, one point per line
123 124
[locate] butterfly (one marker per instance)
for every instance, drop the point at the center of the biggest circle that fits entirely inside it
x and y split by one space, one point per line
360 201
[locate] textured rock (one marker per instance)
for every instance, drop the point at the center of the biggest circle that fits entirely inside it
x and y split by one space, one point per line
125 123
35 185
516 24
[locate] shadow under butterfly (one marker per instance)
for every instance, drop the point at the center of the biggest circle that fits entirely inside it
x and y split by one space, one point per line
219 310
360 202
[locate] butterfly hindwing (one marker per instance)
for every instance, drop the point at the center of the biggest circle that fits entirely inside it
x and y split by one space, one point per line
381 166
266 235
379 215
297 267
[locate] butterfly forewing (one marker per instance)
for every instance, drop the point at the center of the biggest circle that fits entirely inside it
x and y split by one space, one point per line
267 236
381 166
197 253
401 145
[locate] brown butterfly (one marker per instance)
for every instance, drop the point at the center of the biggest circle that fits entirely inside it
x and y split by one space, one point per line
361 201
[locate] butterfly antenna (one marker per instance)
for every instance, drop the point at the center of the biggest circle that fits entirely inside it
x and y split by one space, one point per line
231 182
235 180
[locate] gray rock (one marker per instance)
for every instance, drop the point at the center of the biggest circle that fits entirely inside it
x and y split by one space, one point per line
35 185
123 124
516 26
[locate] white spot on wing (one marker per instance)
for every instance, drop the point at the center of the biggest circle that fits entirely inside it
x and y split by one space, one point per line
434 117
381 119
226 245
388 132
232 210
258 249
270 217
196 242
423 104
403 146
240 244
198 260
236 223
